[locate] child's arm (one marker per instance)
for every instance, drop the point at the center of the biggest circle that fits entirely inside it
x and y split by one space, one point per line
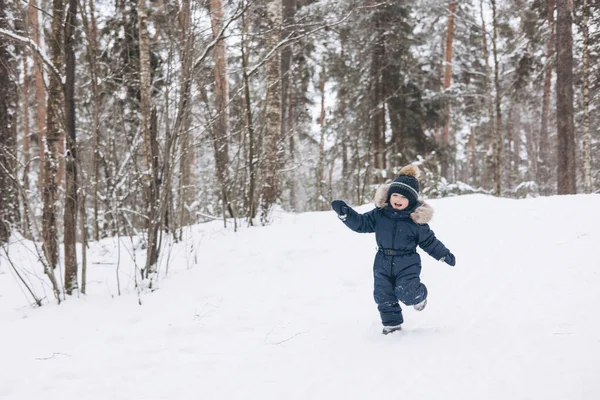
433 247
361 223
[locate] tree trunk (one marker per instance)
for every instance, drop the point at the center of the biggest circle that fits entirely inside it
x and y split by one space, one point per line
273 113
498 142
489 101
544 147
447 81
9 205
251 157
26 145
320 195
150 189
40 91
91 32
287 110
564 98
377 113
182 122
70 212
53 136
220 131
587 154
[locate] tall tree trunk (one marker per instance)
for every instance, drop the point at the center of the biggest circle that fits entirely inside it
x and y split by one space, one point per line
498 142
40 91
377 112
26 144
564 98
288 9
472 165
150 189
489 101
53 136
587 154
9 205
273 113
182 122
320 195
251 157
91 32
220 131
544 172
447 81
70 212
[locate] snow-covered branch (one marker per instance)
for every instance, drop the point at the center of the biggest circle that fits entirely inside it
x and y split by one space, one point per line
31 44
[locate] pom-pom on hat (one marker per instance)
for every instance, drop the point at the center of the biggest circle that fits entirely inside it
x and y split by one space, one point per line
406 184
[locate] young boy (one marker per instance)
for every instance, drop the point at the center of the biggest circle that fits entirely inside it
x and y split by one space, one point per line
400 224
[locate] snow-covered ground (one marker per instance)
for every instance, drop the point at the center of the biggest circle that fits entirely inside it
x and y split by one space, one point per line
286 312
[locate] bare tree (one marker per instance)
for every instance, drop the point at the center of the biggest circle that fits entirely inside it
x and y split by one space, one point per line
249 122
150 173
219 131
53 136
564 98
498 142
489 101
9 210
544 146
273 112
40 91
71 209
448 80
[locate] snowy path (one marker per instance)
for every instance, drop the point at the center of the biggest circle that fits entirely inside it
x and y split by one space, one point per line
287 312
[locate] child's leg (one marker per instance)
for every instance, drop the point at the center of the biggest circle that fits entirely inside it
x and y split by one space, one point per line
409 290
387 302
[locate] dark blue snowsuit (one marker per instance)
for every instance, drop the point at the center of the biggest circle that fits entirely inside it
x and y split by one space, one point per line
397 264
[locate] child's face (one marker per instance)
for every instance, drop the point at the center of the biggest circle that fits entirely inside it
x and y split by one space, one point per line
398 202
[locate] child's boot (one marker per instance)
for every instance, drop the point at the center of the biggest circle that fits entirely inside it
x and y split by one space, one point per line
420 306
389 329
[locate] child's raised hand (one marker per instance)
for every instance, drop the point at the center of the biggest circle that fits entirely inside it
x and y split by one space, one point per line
340 207
449 259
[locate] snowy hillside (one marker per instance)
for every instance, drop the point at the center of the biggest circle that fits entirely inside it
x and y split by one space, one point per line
286 312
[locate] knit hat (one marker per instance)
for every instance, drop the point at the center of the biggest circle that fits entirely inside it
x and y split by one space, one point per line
406 184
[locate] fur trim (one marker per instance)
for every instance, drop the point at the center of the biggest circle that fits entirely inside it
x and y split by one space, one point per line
423 214
381 196
411 170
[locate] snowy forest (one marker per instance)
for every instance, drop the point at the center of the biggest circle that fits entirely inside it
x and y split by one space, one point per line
144 117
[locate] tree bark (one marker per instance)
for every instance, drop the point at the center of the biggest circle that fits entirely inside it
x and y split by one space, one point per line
270 187
447 82
182 122
489 101
40 91
53 136
377 112
564 99
544 147
71 209
587 139
498 142
92 52
319 192
9 205
149 175
220 131
251 156
26 145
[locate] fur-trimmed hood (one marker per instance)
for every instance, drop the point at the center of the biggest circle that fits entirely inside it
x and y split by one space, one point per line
422 214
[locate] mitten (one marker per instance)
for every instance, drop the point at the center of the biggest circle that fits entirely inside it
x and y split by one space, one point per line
449 259
340 207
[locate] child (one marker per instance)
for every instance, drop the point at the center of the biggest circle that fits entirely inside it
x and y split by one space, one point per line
400 224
